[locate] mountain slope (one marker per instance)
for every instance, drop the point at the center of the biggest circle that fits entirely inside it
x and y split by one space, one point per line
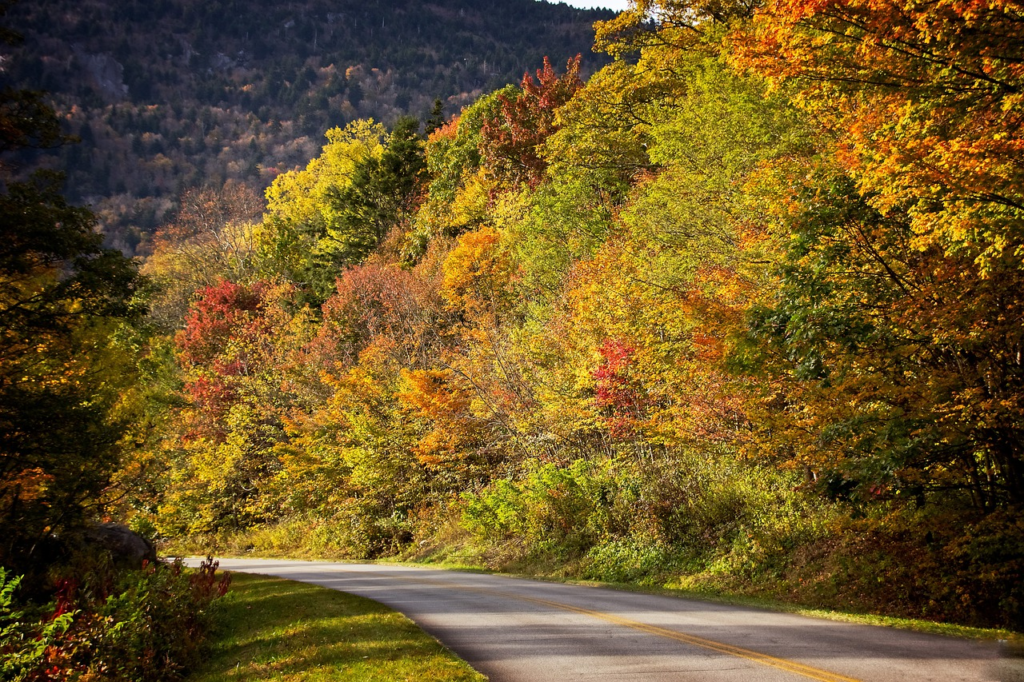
168 94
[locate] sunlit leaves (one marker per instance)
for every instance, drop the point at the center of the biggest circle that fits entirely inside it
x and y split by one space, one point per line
477 274
300 197
772 234
511 139
299 206
902 282
926 101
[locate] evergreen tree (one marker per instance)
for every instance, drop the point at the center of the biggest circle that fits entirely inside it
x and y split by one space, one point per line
437 119
380 196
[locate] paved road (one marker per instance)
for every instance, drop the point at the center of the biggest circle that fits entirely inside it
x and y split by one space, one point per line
516 630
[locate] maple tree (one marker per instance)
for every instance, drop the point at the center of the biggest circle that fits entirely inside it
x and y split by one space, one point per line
510 140
234 355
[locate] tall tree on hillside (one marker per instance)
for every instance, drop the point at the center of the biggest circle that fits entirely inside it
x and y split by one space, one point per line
383 191
60 291
511 140
436 120
898 325
213 237
300 206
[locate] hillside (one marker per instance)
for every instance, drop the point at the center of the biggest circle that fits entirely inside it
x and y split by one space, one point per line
170 94
739 314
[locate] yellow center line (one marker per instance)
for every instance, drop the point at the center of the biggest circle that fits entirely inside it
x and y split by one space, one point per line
764 659
693 640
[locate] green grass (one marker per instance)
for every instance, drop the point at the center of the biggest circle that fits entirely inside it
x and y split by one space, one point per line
270 629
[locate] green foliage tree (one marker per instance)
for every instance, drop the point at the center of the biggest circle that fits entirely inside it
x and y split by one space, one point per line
383 192
299 208
436 119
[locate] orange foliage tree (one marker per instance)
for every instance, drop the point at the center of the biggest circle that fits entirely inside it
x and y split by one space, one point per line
898 322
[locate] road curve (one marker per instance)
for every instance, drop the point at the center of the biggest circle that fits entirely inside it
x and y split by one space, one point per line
515 630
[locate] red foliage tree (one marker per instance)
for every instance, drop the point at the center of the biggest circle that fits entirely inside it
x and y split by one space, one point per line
378 301
616 393
228 335
511 139
222 311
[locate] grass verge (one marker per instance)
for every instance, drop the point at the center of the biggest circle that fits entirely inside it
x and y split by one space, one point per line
275 630
764 603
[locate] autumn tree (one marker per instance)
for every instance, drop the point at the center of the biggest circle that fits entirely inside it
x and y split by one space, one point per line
300 208
61 295
382 322
902 283
214 236
233 353
510 140
458 190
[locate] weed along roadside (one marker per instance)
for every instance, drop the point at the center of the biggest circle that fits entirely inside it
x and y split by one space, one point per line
720 592
270 629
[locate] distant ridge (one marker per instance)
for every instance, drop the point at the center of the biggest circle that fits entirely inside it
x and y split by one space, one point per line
168 94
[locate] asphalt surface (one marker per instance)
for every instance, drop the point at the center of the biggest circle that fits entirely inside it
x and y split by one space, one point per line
515 630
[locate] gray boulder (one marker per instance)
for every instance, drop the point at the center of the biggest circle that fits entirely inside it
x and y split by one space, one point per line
125 546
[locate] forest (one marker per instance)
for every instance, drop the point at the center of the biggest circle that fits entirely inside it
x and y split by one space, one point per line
170 94
739 313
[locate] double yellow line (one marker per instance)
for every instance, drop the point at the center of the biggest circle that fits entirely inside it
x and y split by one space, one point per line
763 659
755 656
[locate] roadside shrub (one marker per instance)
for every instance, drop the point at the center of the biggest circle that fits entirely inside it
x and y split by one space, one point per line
130 625
551 509
910 563
679 504
23 640
630 560
988 556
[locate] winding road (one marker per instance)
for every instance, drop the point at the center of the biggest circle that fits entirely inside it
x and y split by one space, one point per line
515 630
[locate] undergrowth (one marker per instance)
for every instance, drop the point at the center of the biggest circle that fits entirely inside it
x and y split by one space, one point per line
109 623
739 530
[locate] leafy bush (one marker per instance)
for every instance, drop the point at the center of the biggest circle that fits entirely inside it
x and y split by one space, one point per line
22 645
147 624
693 505
631 560
551 509
920 565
